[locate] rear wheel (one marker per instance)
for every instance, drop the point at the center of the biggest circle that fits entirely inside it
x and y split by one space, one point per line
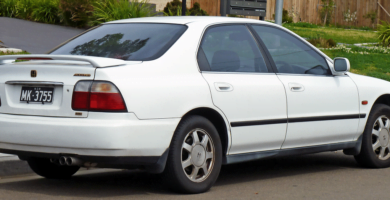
195 156
47 169
375 151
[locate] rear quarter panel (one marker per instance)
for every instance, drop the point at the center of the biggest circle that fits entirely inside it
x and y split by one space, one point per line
167 87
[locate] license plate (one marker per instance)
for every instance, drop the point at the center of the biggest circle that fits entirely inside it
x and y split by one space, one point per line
37 94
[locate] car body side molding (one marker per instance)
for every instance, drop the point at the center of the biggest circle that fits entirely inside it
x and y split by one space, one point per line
295 120
245 157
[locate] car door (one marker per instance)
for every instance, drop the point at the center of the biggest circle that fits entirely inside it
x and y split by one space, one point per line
244 87
322 108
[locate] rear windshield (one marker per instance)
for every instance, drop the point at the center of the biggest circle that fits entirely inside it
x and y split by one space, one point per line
124 41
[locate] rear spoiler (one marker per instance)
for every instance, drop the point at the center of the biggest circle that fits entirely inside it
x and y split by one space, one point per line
94 61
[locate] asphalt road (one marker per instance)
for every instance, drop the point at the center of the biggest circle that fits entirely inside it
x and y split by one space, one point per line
318 176
34 37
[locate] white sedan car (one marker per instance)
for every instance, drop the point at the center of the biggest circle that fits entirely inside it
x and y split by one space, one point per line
184 95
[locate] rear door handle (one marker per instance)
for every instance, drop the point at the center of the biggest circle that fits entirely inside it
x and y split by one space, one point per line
223 87
296 87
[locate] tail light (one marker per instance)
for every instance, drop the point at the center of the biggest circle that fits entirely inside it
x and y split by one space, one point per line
97 96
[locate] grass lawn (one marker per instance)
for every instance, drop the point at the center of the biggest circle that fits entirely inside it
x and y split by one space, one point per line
339 35
375 65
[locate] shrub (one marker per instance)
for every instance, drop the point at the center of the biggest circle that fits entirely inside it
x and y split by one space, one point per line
286 18
46 11
384 33
197 11
110 10
322 42
76 12
8 8
24 8
177 13
331 43
172 8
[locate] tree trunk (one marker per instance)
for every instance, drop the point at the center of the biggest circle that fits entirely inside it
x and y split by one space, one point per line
326 15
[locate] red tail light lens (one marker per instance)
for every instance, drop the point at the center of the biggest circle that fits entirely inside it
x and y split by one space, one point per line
106 97
80 99
97 96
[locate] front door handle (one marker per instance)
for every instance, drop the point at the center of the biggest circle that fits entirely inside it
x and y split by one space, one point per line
296 87
223 87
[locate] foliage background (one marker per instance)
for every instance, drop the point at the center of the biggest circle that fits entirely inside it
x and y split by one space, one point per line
84 13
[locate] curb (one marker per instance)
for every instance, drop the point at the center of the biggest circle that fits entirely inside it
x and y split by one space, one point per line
12 166
12 50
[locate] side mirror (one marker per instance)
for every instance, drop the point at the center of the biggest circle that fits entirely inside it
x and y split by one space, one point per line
341 65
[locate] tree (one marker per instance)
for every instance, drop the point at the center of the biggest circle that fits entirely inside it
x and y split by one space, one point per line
327 10
110 46
372 16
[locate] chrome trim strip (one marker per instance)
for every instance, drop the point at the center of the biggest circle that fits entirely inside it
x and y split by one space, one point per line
33 83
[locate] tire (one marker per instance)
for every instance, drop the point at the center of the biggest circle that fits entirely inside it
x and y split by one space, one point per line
376 136
203 157
49 170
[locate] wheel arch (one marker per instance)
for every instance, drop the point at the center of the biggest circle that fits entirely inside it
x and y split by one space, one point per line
383 99
218 121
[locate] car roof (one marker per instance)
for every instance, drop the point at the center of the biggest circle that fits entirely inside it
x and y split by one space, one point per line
186 20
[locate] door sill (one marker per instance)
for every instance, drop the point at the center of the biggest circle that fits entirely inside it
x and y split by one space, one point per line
245 157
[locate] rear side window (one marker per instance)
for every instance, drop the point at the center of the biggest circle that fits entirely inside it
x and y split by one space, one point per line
290 54
132 41
230 49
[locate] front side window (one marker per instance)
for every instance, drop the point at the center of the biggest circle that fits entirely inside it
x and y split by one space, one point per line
290 54
230 49
132 41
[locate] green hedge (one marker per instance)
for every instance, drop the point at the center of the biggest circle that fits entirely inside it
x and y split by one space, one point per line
76 13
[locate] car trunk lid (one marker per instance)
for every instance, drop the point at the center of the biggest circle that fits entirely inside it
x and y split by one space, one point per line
44 87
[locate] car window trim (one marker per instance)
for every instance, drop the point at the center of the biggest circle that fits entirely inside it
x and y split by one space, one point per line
267 62
269 54
261 43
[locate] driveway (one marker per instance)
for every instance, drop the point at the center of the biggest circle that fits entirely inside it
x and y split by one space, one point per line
34 37
318 176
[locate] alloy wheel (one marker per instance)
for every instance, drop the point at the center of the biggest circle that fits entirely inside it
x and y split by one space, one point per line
197 155
380 137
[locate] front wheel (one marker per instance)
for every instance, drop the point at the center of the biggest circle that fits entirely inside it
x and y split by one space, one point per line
195 156
375 150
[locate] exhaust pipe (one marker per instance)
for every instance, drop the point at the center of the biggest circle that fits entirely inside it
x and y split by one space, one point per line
62 160
69 161
72 161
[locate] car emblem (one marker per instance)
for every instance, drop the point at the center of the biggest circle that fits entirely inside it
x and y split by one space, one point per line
33 73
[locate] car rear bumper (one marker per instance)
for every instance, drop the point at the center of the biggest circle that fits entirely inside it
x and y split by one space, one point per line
101 136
